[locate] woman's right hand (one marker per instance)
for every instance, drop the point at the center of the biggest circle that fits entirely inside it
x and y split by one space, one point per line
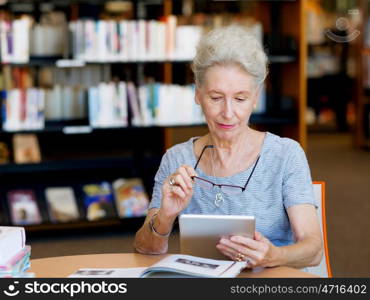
176 196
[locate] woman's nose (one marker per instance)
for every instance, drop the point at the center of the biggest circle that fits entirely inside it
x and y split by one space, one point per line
228 110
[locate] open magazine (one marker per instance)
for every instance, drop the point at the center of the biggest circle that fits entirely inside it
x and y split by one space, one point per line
177 265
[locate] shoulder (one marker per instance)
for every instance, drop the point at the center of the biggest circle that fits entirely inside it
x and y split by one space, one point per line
181 153
282 146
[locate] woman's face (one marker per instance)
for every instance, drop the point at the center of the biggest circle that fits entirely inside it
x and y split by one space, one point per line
227 97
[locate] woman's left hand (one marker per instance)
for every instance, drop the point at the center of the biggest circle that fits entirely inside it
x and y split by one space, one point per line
258 251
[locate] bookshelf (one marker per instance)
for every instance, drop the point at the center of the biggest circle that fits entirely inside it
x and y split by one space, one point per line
73 151
362 125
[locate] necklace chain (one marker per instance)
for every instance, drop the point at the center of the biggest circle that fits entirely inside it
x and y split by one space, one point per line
219 199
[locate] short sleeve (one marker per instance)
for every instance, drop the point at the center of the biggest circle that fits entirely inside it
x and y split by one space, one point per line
297 182
162 173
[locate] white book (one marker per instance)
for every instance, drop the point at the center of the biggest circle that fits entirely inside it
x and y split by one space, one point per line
67 110
135 109
13 121
172 266
53 103
123 39
141 32
90 40
102 49
170 36
151 36
106 105
21 38
160 40
187 38
131 40
5 39
145 111
122 103
93 105
62 204
12 241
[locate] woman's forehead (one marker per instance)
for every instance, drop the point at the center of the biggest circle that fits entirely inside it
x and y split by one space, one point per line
228 79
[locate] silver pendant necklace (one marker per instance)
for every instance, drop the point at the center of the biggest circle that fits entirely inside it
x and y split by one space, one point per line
219 199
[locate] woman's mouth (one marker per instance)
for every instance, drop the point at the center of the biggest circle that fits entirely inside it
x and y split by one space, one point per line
225 126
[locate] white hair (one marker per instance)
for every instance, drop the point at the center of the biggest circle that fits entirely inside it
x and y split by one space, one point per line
230 45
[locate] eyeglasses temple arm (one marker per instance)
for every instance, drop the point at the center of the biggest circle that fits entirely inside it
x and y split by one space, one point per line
255 165
204 148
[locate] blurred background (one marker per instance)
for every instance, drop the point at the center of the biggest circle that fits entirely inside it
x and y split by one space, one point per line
93 92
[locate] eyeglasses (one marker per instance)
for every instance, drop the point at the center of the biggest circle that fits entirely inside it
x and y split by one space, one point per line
225 188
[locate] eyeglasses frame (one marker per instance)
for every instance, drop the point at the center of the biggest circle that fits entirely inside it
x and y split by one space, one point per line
220 185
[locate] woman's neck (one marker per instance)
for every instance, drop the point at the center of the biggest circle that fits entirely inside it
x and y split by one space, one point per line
228 152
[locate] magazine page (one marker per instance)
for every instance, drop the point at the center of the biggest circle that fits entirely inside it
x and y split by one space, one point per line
108 273
195 266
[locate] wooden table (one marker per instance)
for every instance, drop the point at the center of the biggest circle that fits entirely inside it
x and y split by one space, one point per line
63 266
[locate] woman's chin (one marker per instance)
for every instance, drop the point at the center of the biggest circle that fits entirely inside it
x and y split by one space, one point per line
227 135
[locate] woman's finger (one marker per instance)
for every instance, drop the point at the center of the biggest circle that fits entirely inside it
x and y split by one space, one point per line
190 170
180 182
185 176
226 251
254 255
246 241
178 191
232 254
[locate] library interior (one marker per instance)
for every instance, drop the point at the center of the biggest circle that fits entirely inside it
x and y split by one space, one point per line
93 93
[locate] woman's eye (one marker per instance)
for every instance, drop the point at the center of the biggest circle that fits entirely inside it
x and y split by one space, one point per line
216 98
240 99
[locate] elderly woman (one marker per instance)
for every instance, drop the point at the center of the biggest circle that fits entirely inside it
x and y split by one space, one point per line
235 169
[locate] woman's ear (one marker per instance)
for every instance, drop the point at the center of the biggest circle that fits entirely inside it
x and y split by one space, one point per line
197 96
256 97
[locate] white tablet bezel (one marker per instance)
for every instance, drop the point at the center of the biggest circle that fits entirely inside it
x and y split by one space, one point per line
199 234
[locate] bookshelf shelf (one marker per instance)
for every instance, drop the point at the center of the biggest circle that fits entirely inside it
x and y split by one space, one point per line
256 119
68 165
115 223
61 63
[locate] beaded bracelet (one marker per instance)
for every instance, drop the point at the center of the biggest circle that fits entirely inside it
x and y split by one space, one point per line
151 225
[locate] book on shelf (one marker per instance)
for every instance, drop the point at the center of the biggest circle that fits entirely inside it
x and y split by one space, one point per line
62 204
98 201
15 37
108 105
131 40
26 148
130 197
23 207
172 266
24 109
110 40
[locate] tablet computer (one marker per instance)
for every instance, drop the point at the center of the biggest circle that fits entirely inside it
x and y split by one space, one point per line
199 234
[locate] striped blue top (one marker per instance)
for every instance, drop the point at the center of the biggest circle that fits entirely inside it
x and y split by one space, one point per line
281 179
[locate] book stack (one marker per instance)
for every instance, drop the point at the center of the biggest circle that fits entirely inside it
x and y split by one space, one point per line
107 104
22 102
23 109
14 254
133 40
152 104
